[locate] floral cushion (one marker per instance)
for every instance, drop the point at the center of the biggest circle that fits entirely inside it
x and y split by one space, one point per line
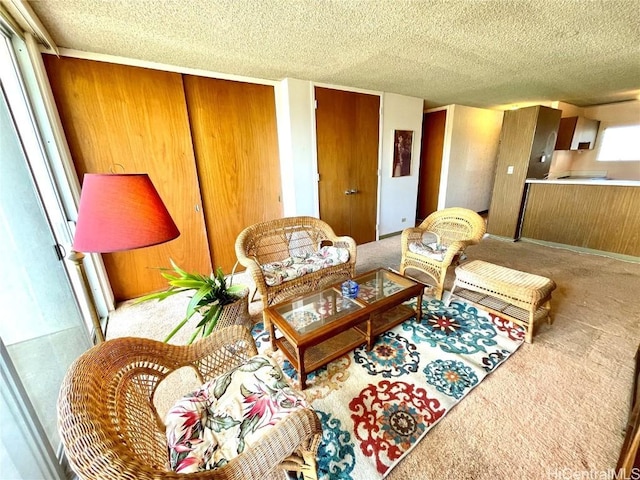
276 273
431 250
207 428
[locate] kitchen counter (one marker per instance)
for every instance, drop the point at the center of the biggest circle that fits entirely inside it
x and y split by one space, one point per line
586 181
598 214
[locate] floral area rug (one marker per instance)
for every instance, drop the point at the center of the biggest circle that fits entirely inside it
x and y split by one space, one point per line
375 406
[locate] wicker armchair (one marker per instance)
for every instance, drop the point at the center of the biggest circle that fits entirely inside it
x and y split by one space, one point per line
275 240
111 430
456 228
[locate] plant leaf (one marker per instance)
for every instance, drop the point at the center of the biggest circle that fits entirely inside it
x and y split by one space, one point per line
211 293
236 290
212 321
207 316
177 268
195 300
175 330
187 283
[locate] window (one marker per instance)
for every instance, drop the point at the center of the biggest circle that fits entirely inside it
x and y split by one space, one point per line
619 143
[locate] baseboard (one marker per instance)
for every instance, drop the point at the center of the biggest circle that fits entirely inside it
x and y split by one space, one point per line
388 235
590 251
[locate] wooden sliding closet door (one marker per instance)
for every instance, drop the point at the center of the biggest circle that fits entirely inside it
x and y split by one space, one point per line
236 144
121 118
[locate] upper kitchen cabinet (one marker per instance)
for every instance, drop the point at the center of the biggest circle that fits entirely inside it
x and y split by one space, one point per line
525 150
577 133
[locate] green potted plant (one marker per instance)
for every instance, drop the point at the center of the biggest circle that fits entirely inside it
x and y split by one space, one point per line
211 297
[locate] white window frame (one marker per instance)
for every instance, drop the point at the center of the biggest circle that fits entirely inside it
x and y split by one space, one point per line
30 98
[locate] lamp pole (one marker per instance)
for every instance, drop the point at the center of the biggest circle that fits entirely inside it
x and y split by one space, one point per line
117 212
77 258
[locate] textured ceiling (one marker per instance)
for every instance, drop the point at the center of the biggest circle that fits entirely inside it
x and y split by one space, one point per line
470 52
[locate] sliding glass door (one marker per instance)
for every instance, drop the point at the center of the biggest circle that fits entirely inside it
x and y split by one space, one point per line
40 324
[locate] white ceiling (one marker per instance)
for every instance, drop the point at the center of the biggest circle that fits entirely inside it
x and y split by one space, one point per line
478 53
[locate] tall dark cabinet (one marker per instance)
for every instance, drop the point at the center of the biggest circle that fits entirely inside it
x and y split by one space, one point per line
527 141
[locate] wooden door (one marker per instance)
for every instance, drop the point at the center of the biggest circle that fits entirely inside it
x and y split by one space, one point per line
347 134
433 125
121 118
236 145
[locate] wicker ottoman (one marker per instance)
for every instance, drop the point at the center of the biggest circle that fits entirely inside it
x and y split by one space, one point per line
517 296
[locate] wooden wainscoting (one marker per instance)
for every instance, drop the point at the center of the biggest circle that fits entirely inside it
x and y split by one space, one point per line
599 217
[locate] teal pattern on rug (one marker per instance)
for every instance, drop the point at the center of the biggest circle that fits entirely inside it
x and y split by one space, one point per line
376 405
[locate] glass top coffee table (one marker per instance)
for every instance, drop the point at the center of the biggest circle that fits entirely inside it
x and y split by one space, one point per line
319 327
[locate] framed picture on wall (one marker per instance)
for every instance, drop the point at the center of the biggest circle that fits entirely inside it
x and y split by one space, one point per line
402 144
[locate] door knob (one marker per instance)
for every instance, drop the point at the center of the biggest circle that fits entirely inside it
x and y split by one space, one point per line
350 192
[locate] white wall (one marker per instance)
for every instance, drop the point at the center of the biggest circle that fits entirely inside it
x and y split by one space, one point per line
296 137
298 155
398 195
469 157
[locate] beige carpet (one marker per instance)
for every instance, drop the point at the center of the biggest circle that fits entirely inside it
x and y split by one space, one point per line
557 408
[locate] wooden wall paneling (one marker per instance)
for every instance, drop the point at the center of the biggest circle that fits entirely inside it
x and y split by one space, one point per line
544 141
599 217
117 115
431 162
516 139
234 131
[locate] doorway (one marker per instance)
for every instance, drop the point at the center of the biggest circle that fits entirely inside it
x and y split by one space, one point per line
433 126
347 135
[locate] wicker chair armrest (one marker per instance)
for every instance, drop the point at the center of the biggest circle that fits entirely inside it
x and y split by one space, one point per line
410 235
343 241
301 427
348 243
251 264
452 250
241 254
223 349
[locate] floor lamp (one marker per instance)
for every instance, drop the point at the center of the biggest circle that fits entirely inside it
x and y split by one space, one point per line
117 212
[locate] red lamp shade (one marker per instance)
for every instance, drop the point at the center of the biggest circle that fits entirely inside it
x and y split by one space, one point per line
121 212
